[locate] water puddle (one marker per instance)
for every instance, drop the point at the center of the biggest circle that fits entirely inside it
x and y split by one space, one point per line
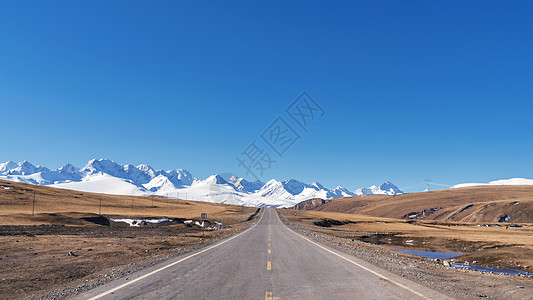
446 255
430 254
510 272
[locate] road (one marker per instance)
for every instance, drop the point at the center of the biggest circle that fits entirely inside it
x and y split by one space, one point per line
267 261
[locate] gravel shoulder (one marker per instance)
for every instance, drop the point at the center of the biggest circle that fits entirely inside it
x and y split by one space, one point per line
456 283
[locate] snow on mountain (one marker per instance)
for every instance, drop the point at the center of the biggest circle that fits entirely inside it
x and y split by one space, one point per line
68 169
103 183
293 190
214 179
23 168
387 188
107 176
66 173
8 165
243 185
128 172
106 166
274 189
147 169
340 191
180 177
511 181
160 184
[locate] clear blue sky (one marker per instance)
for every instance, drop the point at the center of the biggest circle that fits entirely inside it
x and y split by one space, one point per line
410 89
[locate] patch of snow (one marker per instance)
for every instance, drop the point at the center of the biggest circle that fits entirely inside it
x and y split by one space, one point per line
511 181
103 183
138 222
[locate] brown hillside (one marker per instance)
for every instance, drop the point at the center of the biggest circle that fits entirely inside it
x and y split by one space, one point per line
471 204
61 206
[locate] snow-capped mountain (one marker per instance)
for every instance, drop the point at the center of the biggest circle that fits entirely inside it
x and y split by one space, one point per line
8 165
340 192
293 190
22 168
511 181
106 176
243 185
386 188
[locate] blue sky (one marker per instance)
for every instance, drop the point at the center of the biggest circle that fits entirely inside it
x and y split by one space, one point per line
411 89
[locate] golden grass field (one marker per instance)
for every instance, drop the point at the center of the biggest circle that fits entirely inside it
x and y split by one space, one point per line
451 228
488 203
61 206
35 251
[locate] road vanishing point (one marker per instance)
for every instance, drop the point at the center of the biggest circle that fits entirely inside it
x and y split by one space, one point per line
266 261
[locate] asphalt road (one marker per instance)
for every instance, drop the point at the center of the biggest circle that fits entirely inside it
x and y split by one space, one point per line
267 261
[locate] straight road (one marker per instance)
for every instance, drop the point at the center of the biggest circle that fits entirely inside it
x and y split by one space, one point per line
268 261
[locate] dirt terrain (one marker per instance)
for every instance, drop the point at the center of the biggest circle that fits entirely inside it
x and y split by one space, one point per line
491 225
502 247
456 283
470 204
51 204
67 247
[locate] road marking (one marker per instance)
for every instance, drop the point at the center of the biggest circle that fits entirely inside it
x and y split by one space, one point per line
174 263
353 262
268 296
269 251
269 244
269 266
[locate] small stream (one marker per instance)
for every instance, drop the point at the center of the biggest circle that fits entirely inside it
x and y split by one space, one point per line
430 254
503 271
446 255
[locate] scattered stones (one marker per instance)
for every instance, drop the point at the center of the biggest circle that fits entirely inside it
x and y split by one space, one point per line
504 218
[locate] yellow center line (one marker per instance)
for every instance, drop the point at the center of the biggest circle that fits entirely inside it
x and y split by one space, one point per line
269 251
269 244
269 265
268 296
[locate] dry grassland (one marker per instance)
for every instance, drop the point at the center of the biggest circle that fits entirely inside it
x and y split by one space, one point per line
492 246
64 246
471 204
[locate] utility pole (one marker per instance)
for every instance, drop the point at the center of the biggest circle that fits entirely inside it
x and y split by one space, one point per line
100 207
33 207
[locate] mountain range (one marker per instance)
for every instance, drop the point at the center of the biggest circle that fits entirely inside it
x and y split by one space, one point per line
106 176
